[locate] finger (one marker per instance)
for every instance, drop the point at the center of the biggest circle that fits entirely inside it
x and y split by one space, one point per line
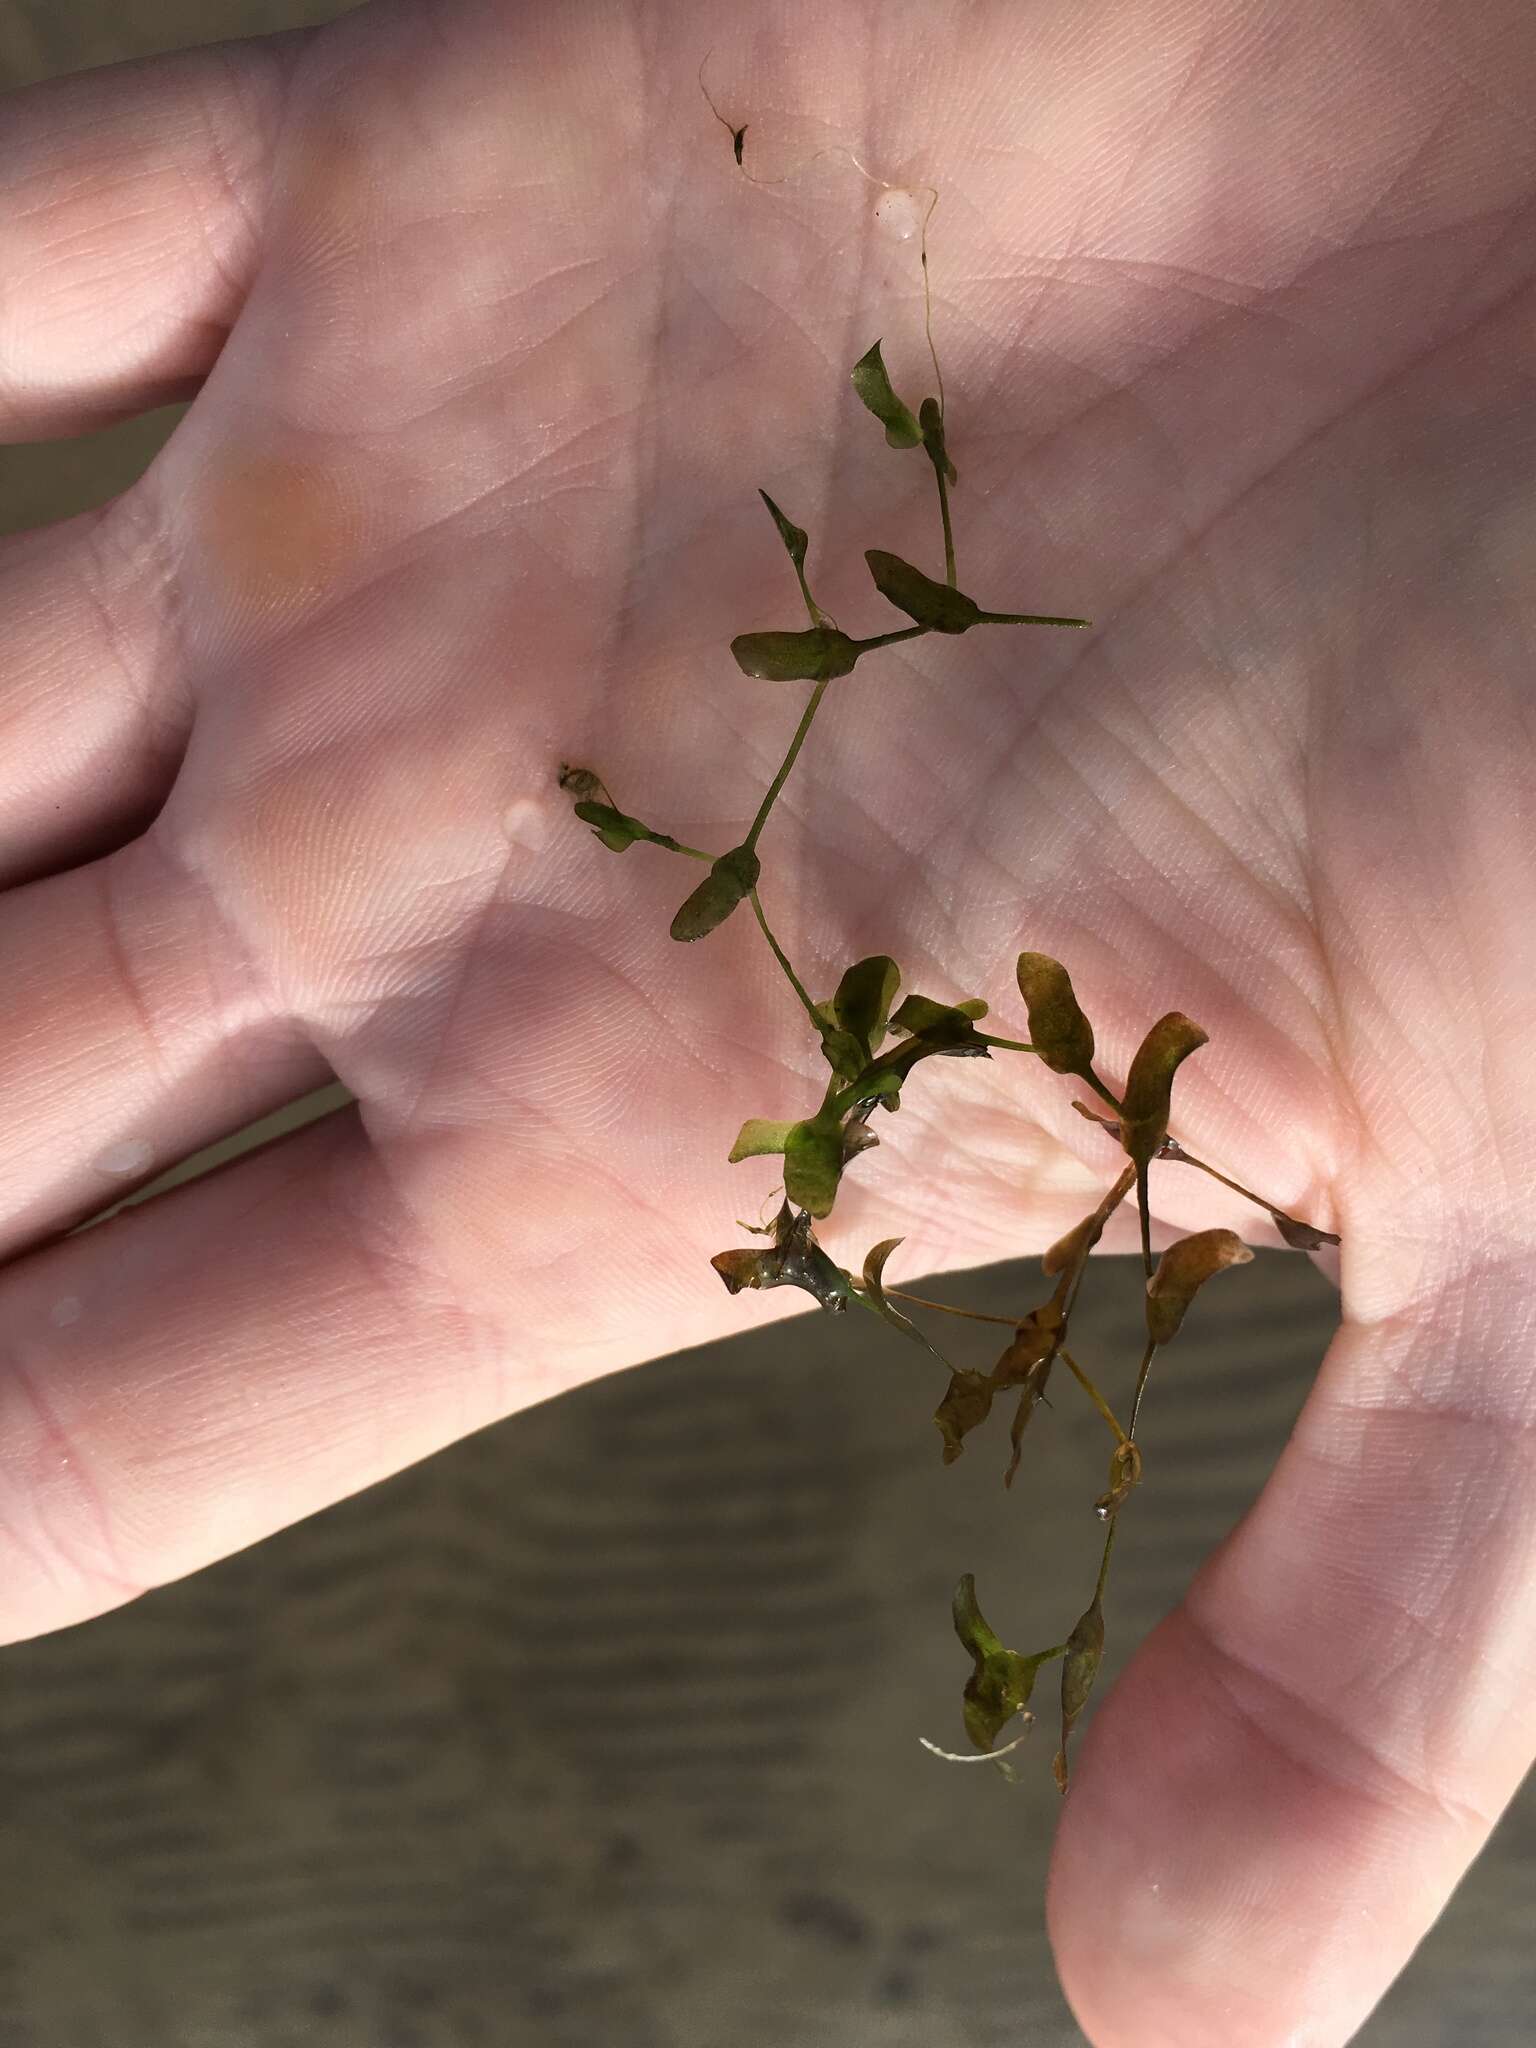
230 1357
1283 1790
94 708
135 1033
131 205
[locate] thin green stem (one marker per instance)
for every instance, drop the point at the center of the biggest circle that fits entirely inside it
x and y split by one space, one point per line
1009 1044
890 639
922 250
1109 1544
1146 1220
782 957
973 1315
1094 1396
1183 1158
1100 1090
1141 1383
949 531
1021 618
790 758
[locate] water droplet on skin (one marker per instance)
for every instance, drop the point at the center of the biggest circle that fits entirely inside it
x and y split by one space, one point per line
899 214
527 823
129 1155
65 1311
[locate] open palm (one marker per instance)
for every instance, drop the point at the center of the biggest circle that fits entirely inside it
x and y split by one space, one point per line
1233 311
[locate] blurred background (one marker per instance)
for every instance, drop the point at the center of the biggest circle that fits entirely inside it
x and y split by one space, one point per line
602 1726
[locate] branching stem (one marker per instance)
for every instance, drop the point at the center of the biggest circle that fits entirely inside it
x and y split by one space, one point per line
973 1315
812 706
1094 1396
1141 1383
782 957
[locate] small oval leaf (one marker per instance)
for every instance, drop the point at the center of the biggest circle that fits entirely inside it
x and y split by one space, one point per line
815 655
1149 1085
930 604
731 878
813 1164
759 1138
862 1005
872 382
1058 1029
1182 1271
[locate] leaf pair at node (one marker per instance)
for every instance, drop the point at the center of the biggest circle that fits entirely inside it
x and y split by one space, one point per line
731 879
854 1027
1001 1681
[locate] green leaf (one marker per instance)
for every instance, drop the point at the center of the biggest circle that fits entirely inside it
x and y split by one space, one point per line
947 1027
731 878
1058 1029
930 604
1002 1681
757 1138
813 656
967 1403
795 538
1080 1667
618 830
796 1260
873 384
875 1294
1182 1271
813 1163
931 420
862 1005
1149 1085
844 1054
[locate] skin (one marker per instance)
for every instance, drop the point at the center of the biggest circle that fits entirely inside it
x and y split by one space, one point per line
491 344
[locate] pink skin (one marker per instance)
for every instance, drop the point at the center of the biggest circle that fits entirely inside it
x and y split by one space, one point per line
491 345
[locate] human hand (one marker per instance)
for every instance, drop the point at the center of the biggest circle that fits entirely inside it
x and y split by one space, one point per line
498 345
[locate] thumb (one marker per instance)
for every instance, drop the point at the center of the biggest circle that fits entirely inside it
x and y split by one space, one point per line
1292 1775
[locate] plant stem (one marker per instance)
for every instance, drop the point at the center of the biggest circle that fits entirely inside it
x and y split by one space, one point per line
949 531
1100 1090
782 777
1183 1158
1109 1544
782 957
971 1314
1141 1383
1008 1044
1018 618
1146 1220
1094 1396
889 639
